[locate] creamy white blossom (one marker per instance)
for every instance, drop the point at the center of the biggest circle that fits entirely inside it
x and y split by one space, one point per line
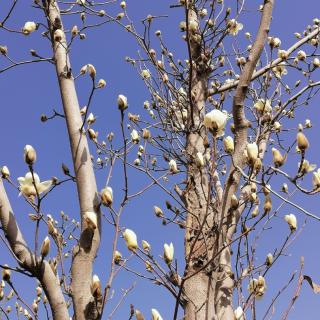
29 188
29 27
216 121
234 27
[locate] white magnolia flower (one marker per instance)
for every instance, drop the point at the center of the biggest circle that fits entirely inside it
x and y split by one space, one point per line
29 27
216 121
155 314
306 166
280 70
291 220
234 27
257 287
29 188
131 239
168 253
263 106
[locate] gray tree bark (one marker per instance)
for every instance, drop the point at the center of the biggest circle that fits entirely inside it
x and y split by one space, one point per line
84 254
208 284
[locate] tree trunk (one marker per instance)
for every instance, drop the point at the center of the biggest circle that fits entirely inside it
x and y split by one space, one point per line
85 307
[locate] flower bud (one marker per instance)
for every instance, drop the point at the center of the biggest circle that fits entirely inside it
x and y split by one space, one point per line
58 35
5 173
278 159
253 152
173 166
90 218
101 83
29 27
146 134
135 136
91 70
117 257
155 314
291 220
146 246
228 144
200 161
30 155
122 102
302 141
106 195
139 315
6 273
269 259
158 211
96 286
168 253
45 247
131 239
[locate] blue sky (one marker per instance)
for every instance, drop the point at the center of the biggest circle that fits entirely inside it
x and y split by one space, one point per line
29 91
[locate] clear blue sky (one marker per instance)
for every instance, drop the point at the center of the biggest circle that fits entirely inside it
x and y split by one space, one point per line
29 91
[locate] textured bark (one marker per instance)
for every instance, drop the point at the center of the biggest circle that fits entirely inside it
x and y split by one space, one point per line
199 290
84 254
27 261
208 291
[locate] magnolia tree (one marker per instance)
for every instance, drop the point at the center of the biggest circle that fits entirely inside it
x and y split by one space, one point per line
217 136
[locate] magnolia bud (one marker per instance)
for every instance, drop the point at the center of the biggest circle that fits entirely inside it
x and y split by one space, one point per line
146 246
96 286
278 159
269 259
122 102
91 70
291 220
45 247
117 257
228 144
58 35
168 253
158 211
30 155
302 141
139 315
253 152
146 134
29 27
90 218
267 204
101 83
234 202
5 172
131 239
106 195
6 273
